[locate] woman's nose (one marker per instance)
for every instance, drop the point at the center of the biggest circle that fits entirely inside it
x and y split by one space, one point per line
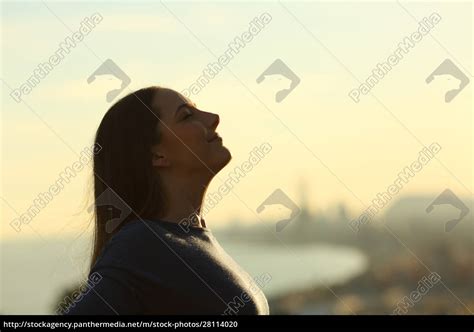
217 119
214 120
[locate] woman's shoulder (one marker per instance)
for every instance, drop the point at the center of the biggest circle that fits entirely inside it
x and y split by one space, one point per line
131 229
139 234
143 240
155 230
133 242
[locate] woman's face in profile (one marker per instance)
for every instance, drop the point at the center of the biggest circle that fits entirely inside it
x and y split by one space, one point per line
187 144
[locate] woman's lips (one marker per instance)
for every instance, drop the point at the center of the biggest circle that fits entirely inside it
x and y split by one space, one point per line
215 137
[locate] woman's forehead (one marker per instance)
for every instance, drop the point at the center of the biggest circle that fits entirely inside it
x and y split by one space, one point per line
167 101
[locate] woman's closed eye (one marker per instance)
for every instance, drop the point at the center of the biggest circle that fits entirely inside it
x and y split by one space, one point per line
189 113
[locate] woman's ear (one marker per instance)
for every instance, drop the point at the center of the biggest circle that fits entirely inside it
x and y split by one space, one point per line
158 157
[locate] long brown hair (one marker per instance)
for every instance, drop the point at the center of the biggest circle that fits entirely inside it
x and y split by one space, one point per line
124 179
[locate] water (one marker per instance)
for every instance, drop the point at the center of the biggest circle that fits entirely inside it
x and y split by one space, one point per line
35 273
297 267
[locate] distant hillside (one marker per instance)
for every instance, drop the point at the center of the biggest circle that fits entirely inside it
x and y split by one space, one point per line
408 218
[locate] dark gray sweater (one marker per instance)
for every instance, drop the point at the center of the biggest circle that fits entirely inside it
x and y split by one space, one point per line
156 267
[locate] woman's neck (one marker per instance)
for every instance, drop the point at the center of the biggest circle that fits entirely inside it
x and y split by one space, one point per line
184 203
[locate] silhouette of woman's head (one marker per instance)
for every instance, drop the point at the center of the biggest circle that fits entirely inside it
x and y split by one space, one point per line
185 147
150 140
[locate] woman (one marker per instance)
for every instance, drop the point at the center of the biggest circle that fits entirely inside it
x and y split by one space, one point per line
153 252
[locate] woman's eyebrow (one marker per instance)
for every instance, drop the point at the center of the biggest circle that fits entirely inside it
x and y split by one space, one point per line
184 105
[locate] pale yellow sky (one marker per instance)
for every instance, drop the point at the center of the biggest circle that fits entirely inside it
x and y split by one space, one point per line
344 151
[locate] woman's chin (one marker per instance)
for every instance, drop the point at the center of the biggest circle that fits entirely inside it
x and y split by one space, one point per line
224 157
